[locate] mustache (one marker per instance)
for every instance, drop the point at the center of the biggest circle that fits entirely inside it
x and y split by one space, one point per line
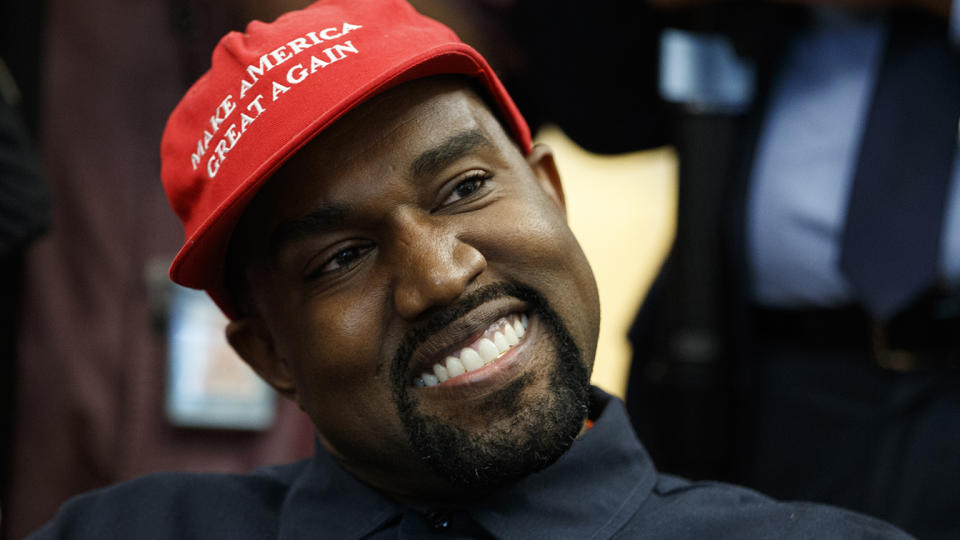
445 315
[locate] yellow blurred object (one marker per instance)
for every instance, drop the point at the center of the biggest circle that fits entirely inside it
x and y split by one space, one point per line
623 210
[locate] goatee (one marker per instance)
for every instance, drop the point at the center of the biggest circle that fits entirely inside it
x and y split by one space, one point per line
541 430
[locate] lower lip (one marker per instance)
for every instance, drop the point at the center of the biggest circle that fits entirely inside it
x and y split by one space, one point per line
490 377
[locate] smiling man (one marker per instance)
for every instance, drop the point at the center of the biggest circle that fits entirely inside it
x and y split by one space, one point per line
409 280
394 256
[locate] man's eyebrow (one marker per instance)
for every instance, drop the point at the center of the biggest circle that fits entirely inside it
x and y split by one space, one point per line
453 148
317 221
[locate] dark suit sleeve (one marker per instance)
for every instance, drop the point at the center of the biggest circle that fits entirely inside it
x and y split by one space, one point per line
24 210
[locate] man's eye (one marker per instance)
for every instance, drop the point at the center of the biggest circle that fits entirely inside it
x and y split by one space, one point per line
467 187
341 260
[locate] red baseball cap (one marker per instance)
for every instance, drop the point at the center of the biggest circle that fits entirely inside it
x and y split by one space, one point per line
274 87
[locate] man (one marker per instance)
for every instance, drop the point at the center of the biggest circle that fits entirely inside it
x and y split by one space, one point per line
362 198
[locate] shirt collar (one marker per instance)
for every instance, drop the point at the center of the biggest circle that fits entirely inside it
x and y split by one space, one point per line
327 499
590 492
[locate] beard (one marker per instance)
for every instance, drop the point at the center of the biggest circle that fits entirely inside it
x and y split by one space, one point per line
541 430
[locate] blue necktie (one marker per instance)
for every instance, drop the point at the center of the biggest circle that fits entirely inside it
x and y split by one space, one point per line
891 241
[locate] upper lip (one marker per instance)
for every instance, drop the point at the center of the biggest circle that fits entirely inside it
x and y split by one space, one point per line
460 333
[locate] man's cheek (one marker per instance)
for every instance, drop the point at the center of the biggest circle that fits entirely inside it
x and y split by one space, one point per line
520 232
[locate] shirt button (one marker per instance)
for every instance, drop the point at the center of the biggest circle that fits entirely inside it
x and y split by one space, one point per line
438 520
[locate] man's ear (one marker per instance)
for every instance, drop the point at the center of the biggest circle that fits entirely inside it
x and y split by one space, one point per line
252 340
544 167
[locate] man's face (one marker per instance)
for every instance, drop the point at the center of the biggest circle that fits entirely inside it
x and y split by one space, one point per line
386 259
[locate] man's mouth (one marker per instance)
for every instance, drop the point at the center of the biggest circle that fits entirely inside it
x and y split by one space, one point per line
497 340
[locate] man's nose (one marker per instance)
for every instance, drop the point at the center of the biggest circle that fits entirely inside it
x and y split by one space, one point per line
433 266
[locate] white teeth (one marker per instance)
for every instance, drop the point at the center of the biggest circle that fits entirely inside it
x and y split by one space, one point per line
510 334
506 334
455 367
501 342
488 351
519 329
471 360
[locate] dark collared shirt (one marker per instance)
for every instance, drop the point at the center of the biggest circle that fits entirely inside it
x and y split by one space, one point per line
604 487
